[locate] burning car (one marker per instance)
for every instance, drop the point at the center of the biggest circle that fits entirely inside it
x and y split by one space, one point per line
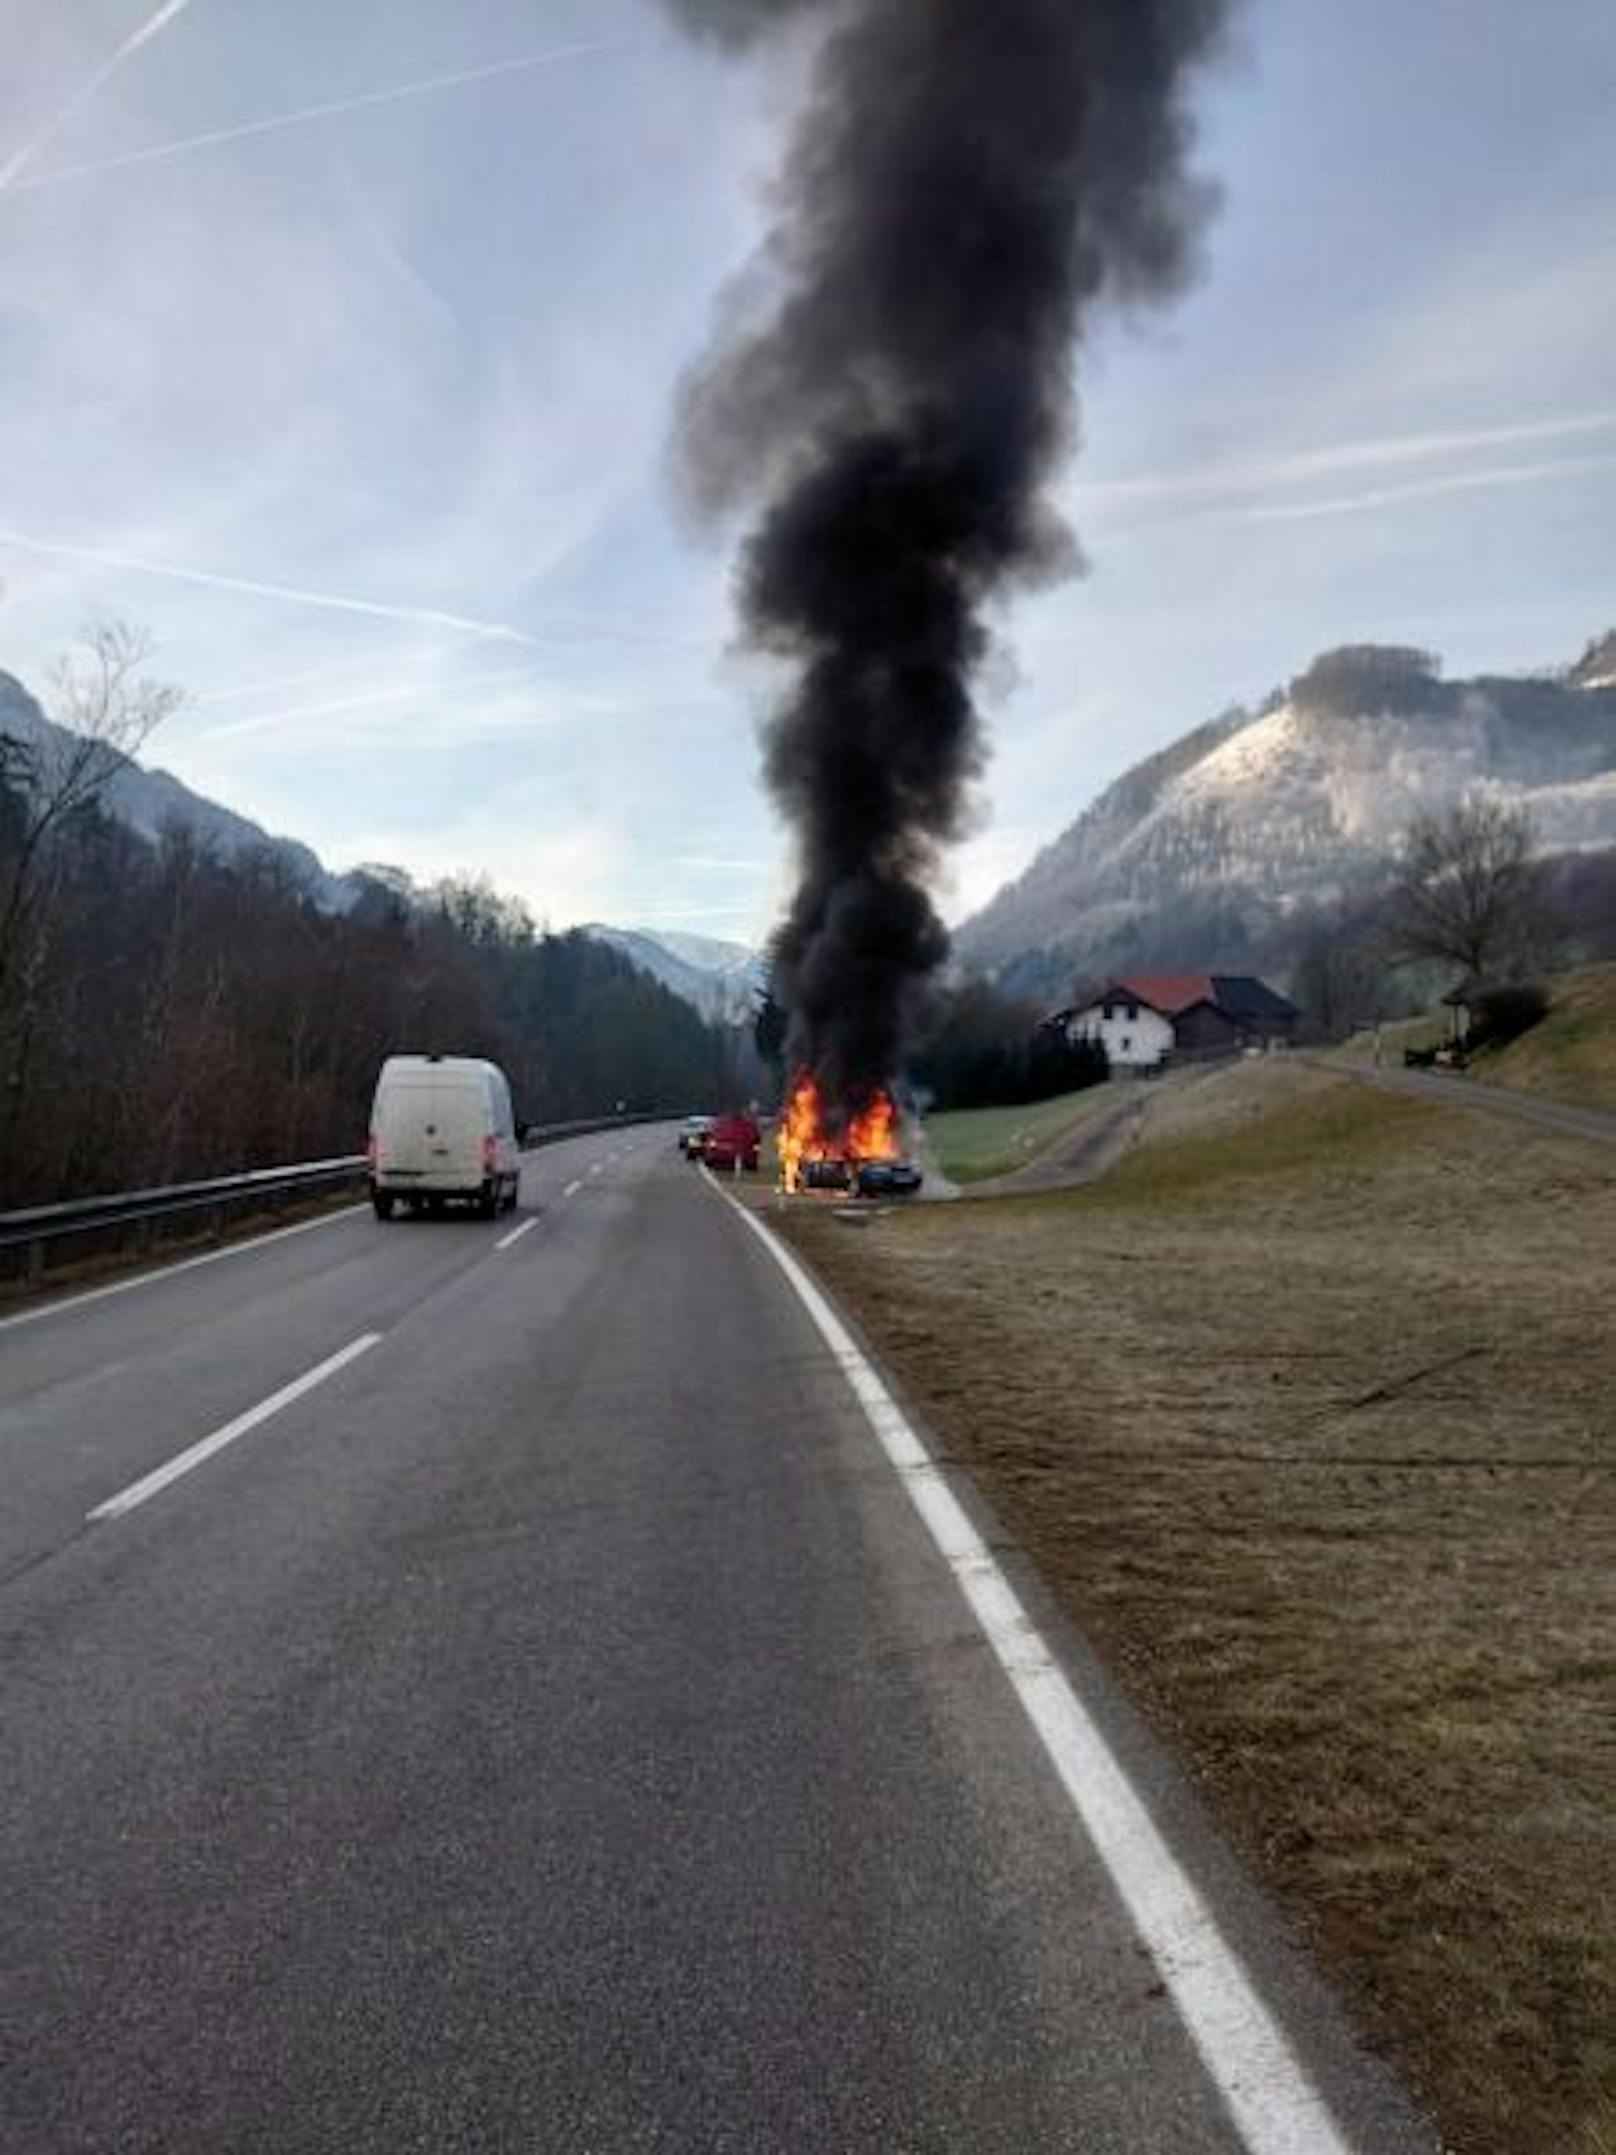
857 1151
826 1171
895 1177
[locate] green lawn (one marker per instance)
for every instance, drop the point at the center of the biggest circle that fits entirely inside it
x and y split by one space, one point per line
971 1144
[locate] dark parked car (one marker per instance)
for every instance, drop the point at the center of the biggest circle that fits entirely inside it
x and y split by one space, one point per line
826 1174
887 1178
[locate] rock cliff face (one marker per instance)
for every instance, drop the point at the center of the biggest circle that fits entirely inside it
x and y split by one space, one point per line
1246 820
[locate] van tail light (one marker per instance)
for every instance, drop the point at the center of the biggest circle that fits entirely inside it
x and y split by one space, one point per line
490 1155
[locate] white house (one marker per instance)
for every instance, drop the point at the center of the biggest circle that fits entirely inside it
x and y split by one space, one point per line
1147 1017
1134 1036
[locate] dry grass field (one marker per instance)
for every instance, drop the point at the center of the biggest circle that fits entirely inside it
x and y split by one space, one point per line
1571 1056
1308 1412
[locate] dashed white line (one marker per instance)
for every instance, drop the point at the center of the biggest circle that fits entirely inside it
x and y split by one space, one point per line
1267 2090
516 1234
194 1454
572 1189
596 1166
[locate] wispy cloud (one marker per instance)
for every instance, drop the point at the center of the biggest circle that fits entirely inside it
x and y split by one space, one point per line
1457 482
267 721
287 594
244 691
1376 452
21 159
273 123
465 689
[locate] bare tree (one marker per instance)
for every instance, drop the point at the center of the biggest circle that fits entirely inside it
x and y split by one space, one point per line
1339 976
1468 891
51 780
106 708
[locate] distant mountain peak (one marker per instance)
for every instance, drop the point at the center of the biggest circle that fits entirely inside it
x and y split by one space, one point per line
720 979
1597 666
1366 680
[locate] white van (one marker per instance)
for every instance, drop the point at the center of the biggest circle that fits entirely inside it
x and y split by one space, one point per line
442 1128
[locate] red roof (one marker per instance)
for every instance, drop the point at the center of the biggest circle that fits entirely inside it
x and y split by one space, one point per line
1168 993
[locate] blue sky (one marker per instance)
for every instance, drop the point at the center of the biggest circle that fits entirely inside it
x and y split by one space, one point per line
391 384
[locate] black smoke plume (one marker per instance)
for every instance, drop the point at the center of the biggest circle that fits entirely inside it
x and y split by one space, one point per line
969 181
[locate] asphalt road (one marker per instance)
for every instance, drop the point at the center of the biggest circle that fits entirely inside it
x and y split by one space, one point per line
551 1728
1544 1114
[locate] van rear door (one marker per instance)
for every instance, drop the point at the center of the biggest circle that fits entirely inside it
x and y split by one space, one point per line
430 1128
406 1125
458 1125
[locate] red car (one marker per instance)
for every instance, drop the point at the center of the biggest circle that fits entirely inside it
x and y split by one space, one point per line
732 1141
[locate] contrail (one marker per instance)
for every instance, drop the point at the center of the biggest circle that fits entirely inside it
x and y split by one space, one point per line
1386 449
289 594
305 113
1386 497
404 692
245 689
21 159
266 721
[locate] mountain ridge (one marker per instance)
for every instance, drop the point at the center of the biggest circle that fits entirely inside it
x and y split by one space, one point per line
151 801
718 979
1204 847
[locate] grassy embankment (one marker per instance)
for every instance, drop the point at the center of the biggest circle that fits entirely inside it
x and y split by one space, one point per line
1305 1411
1570 1056
974 1144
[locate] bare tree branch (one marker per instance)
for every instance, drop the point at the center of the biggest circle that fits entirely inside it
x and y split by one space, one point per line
1468 891
106 708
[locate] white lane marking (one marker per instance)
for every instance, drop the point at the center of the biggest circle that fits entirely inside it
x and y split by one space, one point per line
572 1189
194 1454
516 1234
186 1264
596 1167
1275 2106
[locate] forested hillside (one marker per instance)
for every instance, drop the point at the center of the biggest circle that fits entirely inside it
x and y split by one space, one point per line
165 1014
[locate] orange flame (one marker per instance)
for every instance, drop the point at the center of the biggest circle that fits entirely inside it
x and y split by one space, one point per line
799 1136
873 1135
803 1133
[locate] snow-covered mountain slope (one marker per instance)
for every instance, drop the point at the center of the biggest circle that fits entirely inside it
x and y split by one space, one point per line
1259 813
152 802
721 980
1597 666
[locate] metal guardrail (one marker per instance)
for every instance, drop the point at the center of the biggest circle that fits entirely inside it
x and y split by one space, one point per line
35 1231
27 1237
